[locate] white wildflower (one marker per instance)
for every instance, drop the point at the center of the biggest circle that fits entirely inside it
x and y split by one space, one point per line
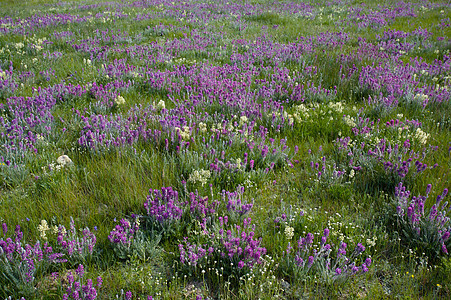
349 121
290 119
238 163
161 105
421 136
202 127
43 228
420 98
243 119
199 176
119 100
134 74
372 242
338 107
184 132
289 232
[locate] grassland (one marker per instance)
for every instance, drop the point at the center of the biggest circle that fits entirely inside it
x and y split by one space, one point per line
225 150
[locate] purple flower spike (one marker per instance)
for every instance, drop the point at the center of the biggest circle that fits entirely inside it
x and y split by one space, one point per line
4 228
360 248
80 270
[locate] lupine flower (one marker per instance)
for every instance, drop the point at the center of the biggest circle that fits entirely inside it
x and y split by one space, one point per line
431 226
306 259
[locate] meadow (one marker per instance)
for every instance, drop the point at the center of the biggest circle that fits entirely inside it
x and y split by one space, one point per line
240 149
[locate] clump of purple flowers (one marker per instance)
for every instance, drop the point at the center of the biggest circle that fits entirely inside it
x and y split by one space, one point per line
233 249
126 238
235 205
123 233
191 254
19 263
382 156
76 247
429 230
306 257
165 209
164 205
7 83
201 207
77 289
239 244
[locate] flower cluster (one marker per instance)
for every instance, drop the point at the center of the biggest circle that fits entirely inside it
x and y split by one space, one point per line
123 237
77 289
20 262
119 100
324 171
164 205
386 152
201 207
235 204
232 247
191 254
429 229
199 176
307 257
64 160
123 232
76 247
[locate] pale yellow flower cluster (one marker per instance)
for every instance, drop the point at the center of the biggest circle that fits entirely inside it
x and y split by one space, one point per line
304 112
420 98
421 136
43 228
289 232
161 105
199 176
349 121
243 120
119 100
202 127
184 132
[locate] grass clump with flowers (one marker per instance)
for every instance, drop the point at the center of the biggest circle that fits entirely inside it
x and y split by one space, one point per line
225 150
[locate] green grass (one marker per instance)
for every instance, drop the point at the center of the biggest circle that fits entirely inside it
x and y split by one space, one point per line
104 186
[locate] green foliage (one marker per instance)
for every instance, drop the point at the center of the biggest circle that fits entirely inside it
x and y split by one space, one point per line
107 184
